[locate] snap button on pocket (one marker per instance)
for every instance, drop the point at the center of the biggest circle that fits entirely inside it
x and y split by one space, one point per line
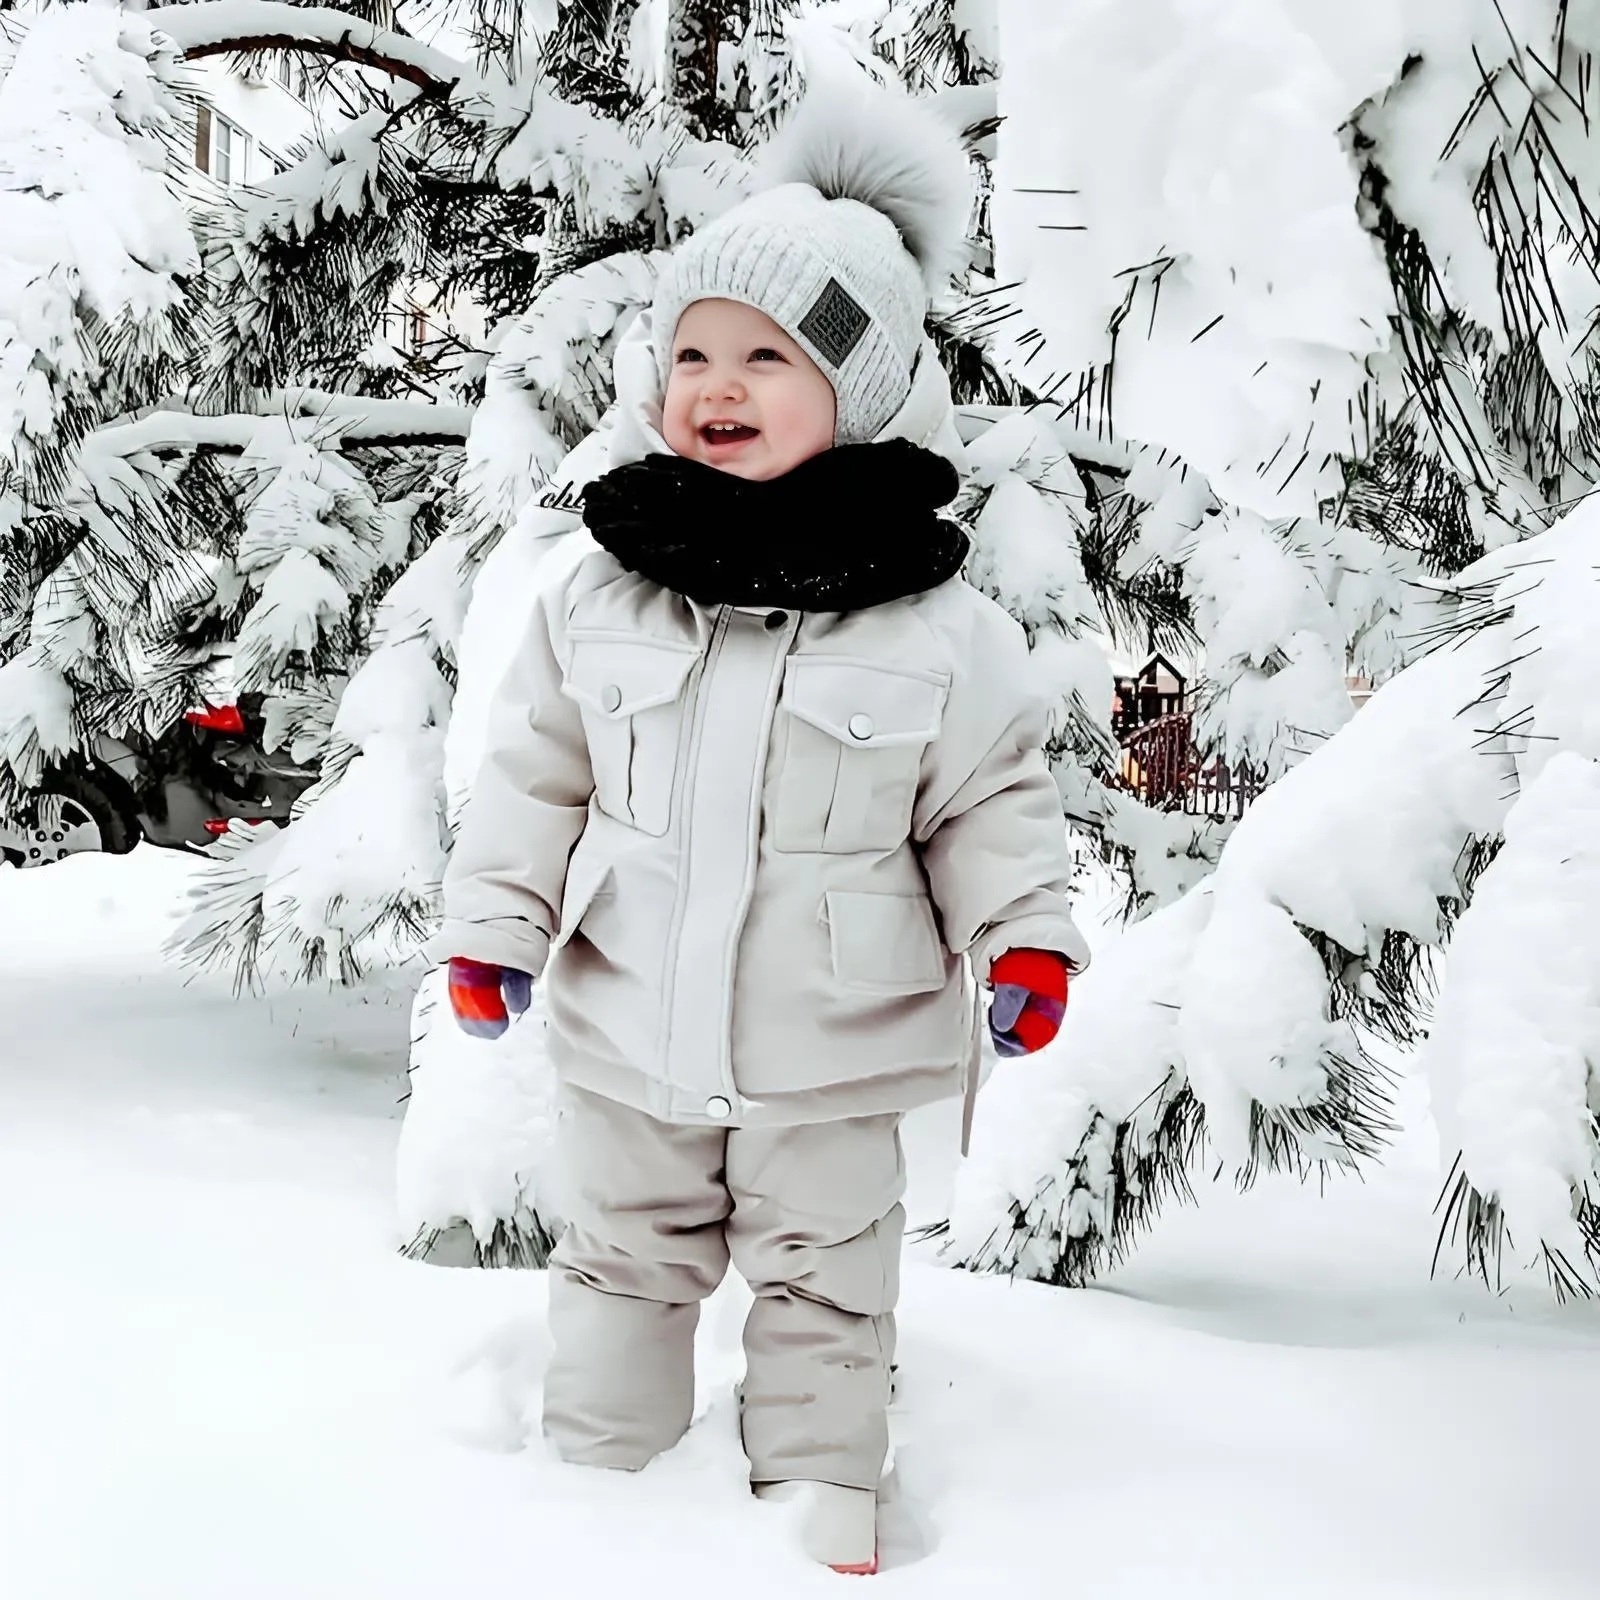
853 747
719 1108
630 687
776 619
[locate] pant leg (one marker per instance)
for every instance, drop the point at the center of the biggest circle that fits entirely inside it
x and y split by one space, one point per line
816 1231
645 1244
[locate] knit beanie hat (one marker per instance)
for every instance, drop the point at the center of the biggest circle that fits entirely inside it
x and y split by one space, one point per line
860 213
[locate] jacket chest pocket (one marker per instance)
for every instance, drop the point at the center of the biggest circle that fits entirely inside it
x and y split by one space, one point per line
855 733
630 691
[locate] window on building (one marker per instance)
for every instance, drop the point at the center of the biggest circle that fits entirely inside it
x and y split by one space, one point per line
292 76
219 147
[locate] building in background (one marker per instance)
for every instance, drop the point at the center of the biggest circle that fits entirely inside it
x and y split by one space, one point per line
249 121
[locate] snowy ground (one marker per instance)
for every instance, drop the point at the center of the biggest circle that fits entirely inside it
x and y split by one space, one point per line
219 1382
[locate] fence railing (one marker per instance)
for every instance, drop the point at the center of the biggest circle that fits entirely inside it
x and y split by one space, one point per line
1161 766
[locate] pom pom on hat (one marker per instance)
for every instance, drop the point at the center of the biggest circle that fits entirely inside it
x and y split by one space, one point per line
887 152
861 213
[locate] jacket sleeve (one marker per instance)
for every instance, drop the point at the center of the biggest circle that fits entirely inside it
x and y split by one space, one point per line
526 810
988 819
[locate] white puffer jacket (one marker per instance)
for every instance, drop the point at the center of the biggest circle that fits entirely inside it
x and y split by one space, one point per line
758 848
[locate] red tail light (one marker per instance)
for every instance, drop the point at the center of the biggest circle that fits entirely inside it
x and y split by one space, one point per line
218 719
217 826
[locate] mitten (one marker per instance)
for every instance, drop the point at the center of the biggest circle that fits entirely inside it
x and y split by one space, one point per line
1030 999
485 996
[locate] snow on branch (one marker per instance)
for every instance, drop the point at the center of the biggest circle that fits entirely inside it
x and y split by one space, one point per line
369 420
1519 1026
95 251
1511 1055
347 419
220 27
1228 1022
1210 1025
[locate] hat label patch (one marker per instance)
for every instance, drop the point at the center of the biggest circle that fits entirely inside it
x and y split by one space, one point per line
834 324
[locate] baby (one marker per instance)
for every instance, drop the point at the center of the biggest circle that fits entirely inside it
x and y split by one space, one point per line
763 785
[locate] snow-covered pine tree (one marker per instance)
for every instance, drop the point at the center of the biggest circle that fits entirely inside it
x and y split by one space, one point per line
162 535
1359 318
96 297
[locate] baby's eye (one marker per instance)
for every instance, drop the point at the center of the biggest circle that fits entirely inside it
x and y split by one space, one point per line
689 353
765 354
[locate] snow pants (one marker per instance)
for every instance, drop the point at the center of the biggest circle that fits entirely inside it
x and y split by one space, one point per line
811 1218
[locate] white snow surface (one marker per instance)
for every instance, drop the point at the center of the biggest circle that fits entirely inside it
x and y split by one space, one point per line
219 1378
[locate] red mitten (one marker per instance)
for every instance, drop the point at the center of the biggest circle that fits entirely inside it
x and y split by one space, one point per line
484 997
1030 999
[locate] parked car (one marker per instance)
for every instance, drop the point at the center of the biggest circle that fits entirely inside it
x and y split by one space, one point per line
181 790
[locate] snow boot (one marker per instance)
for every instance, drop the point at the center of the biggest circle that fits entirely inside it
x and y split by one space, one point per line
838 1526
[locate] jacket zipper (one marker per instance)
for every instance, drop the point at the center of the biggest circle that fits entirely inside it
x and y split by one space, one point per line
691 783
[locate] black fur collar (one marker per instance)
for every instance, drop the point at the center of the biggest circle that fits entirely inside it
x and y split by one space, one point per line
853 527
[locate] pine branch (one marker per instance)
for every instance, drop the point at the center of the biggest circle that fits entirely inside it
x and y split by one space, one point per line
224 27
351 419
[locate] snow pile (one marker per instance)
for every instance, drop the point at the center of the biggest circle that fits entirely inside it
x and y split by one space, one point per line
94 246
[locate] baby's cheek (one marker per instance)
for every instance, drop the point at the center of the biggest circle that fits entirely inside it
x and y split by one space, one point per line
681 439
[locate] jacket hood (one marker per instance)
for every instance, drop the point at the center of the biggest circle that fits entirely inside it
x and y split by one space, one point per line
927 417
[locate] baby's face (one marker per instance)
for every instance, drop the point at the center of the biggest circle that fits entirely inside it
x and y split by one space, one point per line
742 396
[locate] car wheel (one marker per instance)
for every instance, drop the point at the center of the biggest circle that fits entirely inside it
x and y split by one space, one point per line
70 816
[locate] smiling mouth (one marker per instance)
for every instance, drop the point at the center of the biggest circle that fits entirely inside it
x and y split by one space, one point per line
724 434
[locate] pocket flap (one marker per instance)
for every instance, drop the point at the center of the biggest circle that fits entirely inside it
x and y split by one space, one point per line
865 703
588 877
618 674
